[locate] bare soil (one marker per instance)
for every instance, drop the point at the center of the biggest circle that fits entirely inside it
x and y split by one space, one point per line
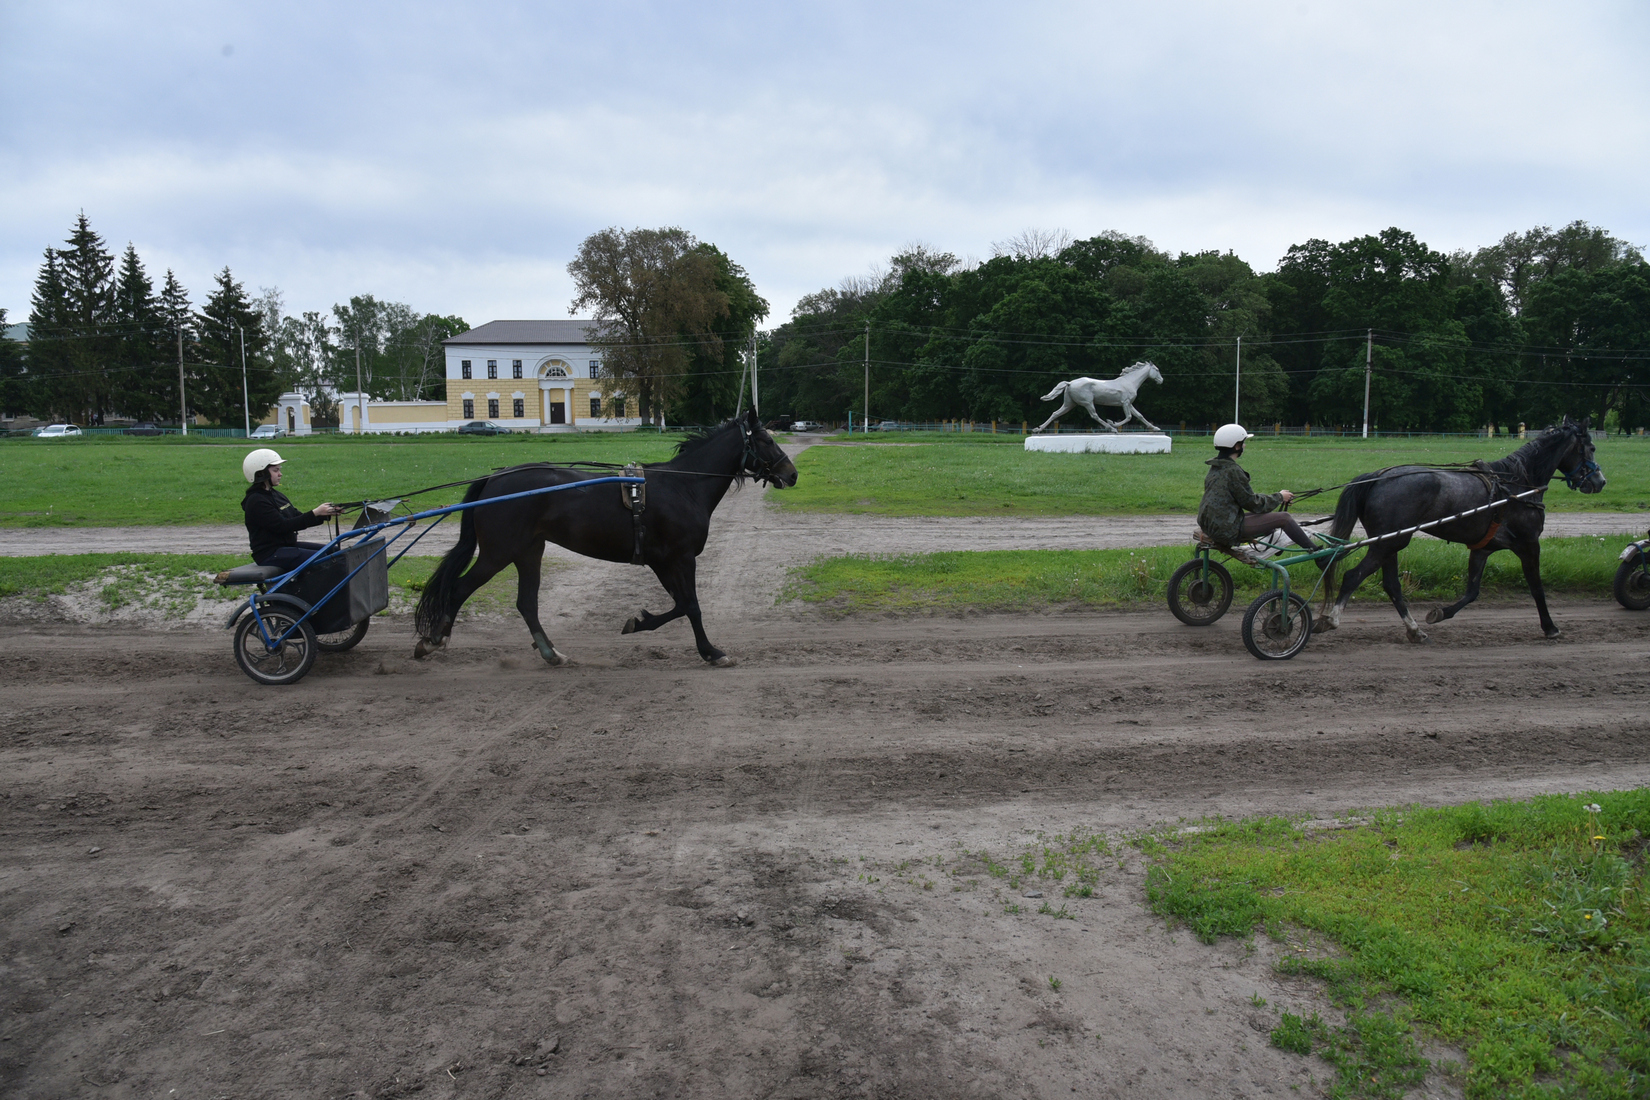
638 876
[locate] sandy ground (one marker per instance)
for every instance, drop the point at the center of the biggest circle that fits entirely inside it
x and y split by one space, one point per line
637 876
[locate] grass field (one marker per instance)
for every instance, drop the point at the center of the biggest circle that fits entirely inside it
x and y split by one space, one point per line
928 474
1517 931
101 482
1035 580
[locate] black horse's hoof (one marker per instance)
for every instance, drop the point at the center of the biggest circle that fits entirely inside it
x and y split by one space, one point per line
1436 615
724 661
630 626
1553 634
424 648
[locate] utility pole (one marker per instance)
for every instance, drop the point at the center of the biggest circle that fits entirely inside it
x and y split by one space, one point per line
246 403
756 392
360 411
1237 385
865 425
1369 364
183 403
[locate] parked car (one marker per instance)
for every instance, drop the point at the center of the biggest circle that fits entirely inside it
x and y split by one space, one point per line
806 426
887 426
482 427
56 431
267 431
144 428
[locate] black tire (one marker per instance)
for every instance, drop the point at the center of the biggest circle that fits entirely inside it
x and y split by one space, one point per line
1264 634
1196 601
341 640
288 662
1632 585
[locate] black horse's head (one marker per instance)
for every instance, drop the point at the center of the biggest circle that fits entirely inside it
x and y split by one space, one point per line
1576 461
765 460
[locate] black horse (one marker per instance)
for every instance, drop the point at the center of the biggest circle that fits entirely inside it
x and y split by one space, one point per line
598 522
1395 499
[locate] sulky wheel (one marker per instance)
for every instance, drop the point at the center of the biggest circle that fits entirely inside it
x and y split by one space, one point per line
340 640
1265 632
288 661
1632 585
1197 600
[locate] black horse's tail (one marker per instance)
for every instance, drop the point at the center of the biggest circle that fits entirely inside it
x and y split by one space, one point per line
438 590
1347 510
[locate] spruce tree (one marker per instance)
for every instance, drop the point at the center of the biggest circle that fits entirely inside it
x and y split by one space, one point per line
177 331
93 347
225 317
49 338
142 363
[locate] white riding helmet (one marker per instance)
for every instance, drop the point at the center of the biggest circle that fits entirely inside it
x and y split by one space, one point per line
257 460
1230 435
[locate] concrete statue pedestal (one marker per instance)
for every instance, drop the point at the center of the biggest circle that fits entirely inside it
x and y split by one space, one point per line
1118 443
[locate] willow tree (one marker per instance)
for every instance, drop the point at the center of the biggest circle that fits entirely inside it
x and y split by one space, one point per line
654 300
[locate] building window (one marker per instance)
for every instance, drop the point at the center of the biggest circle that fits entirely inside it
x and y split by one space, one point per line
518 407
515 370
555 368
596 407
618 407
469 404
464 371
492 408
492 368
595 368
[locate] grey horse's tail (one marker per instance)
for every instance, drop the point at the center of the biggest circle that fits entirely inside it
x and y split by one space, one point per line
1347 508
1056 392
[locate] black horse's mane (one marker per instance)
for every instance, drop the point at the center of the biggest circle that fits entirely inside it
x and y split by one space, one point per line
699 437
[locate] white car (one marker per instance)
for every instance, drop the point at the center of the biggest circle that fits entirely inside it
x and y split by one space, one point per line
266 431
56 431
806 426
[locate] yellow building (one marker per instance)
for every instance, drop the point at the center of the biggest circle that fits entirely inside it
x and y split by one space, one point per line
530 376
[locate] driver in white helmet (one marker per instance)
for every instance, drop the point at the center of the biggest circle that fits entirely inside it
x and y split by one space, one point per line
1232 512
272 523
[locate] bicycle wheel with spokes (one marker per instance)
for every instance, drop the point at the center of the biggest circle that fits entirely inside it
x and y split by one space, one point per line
1632 585
340 640
1197 599
288 659
1276 630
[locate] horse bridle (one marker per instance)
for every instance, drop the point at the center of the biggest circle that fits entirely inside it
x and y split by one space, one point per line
752 463
1579 473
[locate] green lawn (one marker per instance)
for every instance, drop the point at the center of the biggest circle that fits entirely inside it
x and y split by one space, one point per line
1034 580
929 474
1517 931
104 482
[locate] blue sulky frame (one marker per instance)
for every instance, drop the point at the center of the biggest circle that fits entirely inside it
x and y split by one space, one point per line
361 534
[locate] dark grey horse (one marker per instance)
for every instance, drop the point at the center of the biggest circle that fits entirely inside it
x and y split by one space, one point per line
1404 496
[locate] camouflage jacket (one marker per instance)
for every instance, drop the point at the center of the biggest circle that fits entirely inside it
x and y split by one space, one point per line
1226 497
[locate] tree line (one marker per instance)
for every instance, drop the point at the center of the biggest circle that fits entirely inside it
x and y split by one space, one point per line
1539 324
104 342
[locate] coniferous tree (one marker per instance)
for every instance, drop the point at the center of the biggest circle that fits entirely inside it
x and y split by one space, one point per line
141 364
13 383
227 316
49 337
83 389
177 332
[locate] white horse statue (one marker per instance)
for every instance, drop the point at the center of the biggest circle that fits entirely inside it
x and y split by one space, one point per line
1117 392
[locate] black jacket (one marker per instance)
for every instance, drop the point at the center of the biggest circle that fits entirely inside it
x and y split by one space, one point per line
272 522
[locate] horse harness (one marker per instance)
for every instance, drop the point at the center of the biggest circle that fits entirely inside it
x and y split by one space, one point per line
634 494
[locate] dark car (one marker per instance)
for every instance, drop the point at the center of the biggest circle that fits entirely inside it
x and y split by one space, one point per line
482 427
144 428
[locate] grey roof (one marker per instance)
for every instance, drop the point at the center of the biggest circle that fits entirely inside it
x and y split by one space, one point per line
16 332
570 331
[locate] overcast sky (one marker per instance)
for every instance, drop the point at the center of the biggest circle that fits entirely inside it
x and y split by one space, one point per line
453 156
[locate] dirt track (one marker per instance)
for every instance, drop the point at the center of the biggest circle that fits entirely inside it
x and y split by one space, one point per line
401 877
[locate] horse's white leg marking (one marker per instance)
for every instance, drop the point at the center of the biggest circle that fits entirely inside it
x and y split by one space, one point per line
1416 634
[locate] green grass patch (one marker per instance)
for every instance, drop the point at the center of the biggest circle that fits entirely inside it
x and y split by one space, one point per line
170 584
113 482
933 474
1031 580
1518 931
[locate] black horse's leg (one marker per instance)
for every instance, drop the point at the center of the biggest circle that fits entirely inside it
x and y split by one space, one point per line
679 579
1476 560
1395 591
1530 558
528 569
483 570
